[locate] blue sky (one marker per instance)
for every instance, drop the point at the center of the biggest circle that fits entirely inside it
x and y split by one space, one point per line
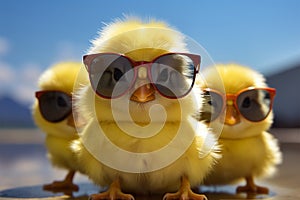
34 34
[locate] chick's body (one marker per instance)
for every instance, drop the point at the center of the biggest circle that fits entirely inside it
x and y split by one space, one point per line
145 167
59 134
248 150
255 156
158 181
59 152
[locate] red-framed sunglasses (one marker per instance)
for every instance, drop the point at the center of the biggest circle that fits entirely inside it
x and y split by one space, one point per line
254 104
171 74
54 106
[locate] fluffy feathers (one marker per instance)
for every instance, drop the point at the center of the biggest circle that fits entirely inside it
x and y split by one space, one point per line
118 37
247 149
126 123
60 77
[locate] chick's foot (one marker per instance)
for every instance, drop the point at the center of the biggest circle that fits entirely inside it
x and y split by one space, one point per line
64 185
252 188
184 193
61 185
114 192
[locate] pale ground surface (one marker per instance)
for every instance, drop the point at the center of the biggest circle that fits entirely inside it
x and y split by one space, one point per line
24 168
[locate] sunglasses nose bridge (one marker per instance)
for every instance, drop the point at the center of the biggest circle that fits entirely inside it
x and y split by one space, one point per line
230 100
141 75
142 71
231 112
143 88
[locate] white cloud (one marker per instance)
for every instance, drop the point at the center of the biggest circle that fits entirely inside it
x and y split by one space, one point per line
6 75
24 93
67 51
31 71
4 46
27 83
19 83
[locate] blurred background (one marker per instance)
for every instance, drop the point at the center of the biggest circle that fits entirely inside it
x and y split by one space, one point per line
264 35
34 34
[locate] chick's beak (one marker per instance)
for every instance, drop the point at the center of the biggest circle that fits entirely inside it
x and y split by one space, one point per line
143 94
74 120
70 120
144 91
232 117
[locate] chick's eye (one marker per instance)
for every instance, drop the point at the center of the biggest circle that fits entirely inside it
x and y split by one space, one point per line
163 76
267 96
61 102
117 74
246 103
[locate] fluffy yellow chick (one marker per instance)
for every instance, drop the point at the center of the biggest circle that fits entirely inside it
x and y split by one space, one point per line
52 113
139 137
243 102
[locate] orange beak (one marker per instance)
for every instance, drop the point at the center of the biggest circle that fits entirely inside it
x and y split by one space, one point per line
70 120
74 120
232 117
143 94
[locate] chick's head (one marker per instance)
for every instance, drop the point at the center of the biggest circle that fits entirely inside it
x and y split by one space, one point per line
234 80
56 88
138 44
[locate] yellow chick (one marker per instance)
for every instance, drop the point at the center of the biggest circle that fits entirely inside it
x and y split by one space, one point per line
52 113
140 137
242 102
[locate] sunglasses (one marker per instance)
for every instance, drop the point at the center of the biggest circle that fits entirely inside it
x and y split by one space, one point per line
254 104
54 106
112 75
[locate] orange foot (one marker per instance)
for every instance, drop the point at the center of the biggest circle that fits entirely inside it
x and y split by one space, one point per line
114 192
65 185
251 187
184 193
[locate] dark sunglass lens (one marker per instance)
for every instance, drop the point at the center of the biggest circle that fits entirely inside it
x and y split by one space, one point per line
212 106
254 105
111 75
173 75
55 106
